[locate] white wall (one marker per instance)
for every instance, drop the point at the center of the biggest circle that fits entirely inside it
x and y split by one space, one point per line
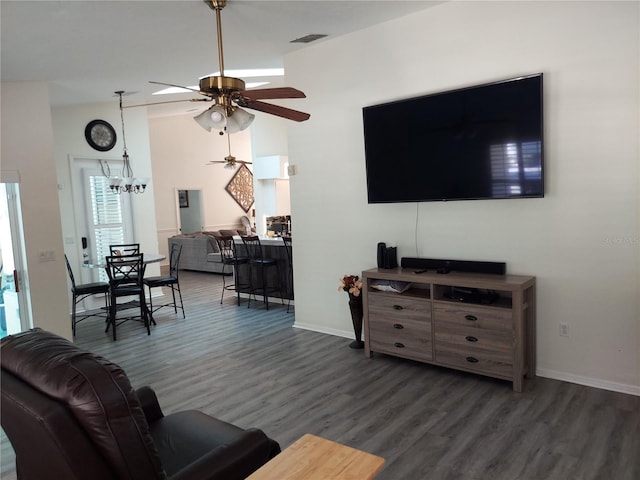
27 146
69 142
180 150
581 241
269 139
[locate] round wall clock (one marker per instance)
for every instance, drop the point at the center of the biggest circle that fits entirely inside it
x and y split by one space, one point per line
100 135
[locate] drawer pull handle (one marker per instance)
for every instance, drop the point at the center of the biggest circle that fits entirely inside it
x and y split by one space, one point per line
398 345
471 318
472 360
398 326
398 307
471 339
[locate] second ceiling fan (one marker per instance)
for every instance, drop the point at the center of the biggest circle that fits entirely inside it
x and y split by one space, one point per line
229 94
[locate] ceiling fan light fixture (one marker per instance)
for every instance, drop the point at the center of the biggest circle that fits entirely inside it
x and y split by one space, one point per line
214 117
239 120
218 118
203 120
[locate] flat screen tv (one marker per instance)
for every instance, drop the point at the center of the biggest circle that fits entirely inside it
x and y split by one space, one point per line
480 142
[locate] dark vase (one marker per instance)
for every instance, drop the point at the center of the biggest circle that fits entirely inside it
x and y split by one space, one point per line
355 305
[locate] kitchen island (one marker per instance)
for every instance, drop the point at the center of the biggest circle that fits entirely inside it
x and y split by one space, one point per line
272 247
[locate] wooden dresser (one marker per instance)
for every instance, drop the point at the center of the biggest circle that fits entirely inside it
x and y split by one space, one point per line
478 323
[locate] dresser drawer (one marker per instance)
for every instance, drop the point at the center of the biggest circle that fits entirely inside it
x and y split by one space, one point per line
403 344
476 316
496 363
488 351
398 307
472 339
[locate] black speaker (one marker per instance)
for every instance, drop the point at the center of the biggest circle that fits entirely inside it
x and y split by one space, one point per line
446 266
387 257
84 242
381 250
391 257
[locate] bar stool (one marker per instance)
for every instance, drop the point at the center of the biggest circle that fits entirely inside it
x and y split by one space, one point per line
259 266
288 250
229 258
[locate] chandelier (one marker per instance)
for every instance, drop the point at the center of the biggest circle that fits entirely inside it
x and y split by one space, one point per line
127 183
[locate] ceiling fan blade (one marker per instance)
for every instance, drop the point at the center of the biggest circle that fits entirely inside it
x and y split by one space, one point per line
227 163
178 86
169 101
283 92
277 110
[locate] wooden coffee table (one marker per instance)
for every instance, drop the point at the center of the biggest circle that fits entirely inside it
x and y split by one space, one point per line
315 458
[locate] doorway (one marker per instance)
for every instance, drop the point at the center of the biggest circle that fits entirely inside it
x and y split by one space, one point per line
190 210
15 303
101 216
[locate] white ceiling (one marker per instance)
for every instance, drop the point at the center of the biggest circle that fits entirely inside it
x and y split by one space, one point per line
88 49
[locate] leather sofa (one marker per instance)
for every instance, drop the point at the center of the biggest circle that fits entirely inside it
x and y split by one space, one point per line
73 415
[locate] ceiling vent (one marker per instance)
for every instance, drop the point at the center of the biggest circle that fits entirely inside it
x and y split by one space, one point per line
309 38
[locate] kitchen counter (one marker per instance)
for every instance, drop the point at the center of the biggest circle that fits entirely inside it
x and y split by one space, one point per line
273 247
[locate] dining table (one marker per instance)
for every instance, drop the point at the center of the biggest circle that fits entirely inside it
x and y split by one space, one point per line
146 259
102 262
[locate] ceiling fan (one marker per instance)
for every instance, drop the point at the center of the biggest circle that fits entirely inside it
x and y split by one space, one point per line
229 161
229 94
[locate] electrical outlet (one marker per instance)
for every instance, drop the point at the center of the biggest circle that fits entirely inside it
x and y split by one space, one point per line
47 256
564 329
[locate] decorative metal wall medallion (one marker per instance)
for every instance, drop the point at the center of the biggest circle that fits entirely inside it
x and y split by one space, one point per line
241 187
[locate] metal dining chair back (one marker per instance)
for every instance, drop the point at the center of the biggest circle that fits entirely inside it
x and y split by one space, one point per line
125 249
172 281
126 273
82 291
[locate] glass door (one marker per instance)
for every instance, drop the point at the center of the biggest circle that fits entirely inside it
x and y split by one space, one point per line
109 220
101 217
15 304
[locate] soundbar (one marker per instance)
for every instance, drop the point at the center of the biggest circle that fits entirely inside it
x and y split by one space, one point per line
446 266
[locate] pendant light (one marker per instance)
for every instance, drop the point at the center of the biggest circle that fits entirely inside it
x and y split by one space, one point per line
127 183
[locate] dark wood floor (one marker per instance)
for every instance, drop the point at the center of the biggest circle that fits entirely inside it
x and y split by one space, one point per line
251 368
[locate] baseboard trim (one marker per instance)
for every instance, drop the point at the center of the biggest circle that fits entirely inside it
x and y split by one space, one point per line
328 331
589 381
541 372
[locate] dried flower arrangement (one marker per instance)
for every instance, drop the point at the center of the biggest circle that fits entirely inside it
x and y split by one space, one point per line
351 284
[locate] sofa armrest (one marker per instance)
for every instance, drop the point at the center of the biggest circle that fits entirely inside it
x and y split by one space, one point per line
212 244
149 403
233 461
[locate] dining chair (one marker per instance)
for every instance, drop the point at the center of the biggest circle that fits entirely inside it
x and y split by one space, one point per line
289 252
82 291
172 281
126 273
125 249
259 268
230 259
